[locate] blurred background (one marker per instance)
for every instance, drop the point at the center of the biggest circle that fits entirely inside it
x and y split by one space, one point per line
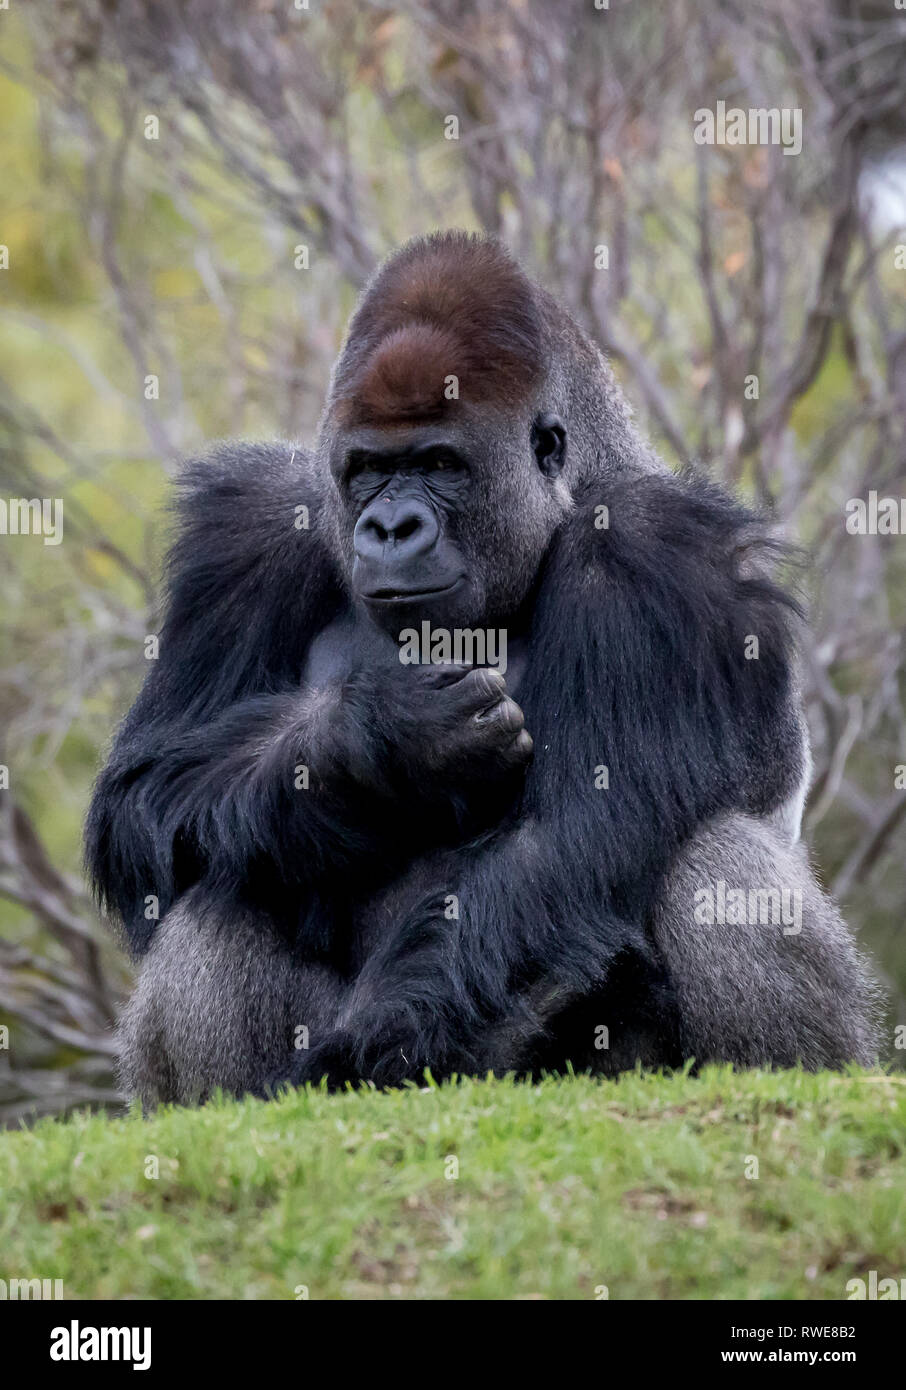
193 191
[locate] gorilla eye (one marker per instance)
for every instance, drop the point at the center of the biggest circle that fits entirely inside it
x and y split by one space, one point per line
442 462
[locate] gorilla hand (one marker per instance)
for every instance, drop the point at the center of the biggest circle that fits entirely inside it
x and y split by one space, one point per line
469 726
448 728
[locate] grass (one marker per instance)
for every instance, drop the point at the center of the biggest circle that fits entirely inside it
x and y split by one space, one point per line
562 1187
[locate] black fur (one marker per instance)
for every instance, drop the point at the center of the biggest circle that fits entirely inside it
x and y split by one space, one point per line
635 658
636 661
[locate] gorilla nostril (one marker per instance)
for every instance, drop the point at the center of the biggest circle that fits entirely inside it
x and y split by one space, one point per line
407 527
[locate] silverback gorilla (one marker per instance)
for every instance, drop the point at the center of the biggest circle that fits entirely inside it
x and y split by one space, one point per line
365 867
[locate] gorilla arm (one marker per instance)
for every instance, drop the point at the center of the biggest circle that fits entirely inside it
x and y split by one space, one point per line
762 991
205 774
200 806
224 988
247 593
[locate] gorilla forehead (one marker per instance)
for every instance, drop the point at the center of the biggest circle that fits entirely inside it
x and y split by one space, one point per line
450 305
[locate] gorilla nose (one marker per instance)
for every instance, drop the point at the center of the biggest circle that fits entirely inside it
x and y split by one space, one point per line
409 527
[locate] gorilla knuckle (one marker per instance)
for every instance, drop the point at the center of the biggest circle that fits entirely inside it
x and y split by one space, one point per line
522 747
508 715
485 683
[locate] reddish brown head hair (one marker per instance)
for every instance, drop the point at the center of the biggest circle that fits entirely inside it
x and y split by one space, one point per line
447 305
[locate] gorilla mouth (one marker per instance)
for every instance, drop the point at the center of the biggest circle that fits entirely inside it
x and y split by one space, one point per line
409 595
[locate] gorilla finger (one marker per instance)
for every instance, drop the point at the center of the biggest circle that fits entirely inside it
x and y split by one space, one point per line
482 688
521 749
442 676
505 718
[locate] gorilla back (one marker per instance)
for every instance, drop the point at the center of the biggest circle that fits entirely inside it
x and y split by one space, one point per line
365 866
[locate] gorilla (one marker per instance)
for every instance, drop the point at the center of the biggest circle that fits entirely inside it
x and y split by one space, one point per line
334 861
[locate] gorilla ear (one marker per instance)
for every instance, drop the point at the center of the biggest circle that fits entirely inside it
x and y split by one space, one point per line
549 443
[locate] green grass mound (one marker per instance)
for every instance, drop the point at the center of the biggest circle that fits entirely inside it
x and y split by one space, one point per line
646 1186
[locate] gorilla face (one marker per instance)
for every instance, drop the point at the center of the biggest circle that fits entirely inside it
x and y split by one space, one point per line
406 500
443 526
439 436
